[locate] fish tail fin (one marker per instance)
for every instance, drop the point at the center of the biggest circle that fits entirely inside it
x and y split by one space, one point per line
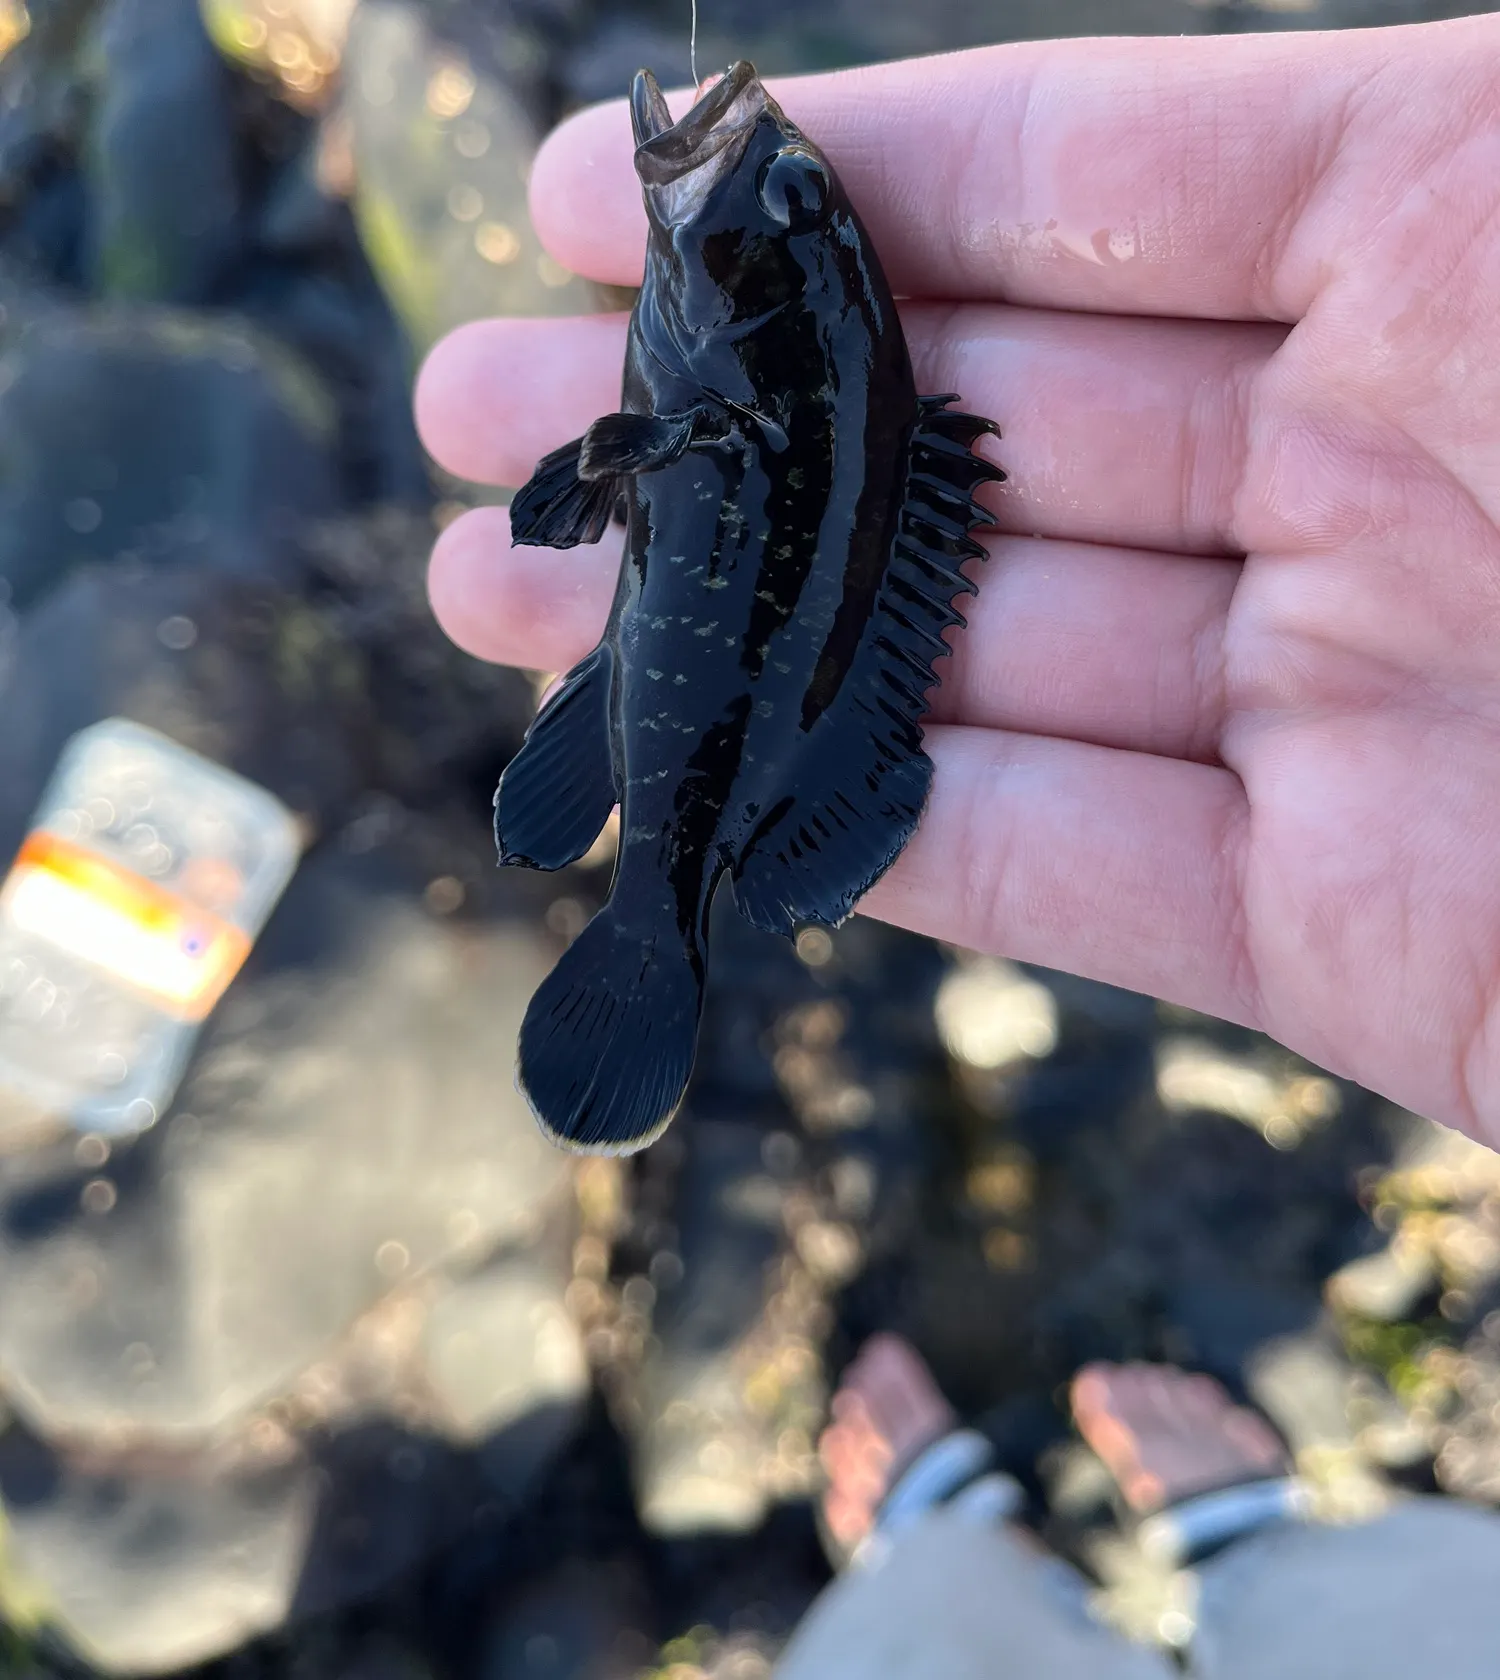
608 1042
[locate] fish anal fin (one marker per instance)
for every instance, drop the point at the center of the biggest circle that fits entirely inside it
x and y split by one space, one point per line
634 443
557 792
815 857
557 507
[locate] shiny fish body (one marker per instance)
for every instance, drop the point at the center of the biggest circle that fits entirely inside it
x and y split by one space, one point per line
796 517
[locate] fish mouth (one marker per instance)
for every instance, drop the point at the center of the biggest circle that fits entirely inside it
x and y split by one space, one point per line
680 163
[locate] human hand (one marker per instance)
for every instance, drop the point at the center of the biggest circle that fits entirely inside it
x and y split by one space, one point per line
1225 725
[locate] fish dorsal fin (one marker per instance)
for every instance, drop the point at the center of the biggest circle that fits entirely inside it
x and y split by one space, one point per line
938 518
813 857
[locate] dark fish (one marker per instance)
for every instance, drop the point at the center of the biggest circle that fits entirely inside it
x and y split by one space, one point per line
796 520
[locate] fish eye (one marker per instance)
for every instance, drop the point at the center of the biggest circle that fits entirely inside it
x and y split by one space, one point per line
793 186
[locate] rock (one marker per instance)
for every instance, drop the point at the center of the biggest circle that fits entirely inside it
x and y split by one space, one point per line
233 669
311 287
442 145
43 106
447 722
163 166
160 437
798 1165
1386 1286
700 1450
141 1574
582 1621
349 1123
297 45
506 1366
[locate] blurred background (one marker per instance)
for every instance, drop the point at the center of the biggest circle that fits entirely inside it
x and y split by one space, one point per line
338 1371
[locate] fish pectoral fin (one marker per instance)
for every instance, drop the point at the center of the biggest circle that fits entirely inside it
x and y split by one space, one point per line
635 443
557 792
557 507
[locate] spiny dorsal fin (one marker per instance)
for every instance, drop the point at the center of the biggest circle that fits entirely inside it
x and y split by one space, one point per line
811 859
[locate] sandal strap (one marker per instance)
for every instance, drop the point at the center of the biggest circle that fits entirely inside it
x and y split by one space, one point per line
1206 1521
937 1473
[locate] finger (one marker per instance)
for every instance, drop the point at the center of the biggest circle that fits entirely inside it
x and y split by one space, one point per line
539 608
1114 646
1114 865
1106 645
1155 176
494 396
1121 430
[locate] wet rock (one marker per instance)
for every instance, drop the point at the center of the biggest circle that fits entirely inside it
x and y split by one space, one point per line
311 287
298 46
233 669
145 1573
43 108
448 722
699 1452
1386 1286
163 170
388 1496
582 1621
348 1124
506 1366
163 438
795 1174
442 145
1308 1388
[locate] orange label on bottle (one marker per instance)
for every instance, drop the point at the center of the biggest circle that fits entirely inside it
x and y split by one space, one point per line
143 933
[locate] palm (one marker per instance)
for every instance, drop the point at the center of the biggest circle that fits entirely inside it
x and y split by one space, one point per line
1256 785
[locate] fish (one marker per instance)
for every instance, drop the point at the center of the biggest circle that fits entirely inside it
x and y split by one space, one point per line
796 521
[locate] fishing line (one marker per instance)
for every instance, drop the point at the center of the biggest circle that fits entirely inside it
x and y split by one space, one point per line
693 46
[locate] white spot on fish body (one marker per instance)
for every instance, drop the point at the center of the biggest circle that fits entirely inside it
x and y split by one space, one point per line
655 676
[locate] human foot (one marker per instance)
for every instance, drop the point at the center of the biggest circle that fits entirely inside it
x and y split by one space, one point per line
887 1411
1166 1435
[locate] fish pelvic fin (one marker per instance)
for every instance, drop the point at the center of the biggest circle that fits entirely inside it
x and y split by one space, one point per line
812 859
608 1042
557 507
557 792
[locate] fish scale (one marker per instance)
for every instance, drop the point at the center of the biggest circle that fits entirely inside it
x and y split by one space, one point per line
797 519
